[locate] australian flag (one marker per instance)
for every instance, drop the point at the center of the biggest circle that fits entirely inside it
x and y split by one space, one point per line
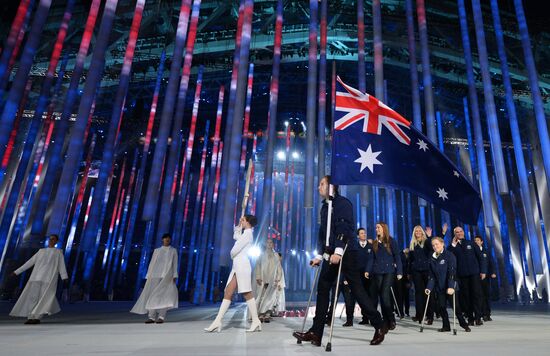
373 144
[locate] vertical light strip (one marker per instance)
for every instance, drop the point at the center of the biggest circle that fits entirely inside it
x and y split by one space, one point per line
54 155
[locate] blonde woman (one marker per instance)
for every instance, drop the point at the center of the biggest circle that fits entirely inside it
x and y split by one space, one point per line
420 250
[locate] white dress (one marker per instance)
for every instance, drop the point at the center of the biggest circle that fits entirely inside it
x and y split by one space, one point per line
241 264
160 291
38 296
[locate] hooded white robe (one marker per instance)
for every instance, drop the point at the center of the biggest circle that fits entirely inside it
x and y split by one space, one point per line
268 269
38 296
280 306
160 290
241 268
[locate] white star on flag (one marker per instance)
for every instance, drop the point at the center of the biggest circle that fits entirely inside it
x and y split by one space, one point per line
368 159
456 174
422 145
442 194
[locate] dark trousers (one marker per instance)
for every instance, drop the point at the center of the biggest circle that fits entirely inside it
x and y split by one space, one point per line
380 286
365 283
420 280
350 301
401 288
486 303
471 296
440 303
327 278
344 290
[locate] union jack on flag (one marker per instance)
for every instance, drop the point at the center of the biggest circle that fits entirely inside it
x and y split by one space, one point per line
373 144
356 106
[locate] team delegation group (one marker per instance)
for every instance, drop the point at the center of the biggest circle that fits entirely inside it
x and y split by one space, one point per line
372 271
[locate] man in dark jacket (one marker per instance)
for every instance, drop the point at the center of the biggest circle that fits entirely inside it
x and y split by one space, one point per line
364 254
471 270
403 286
364 257
341 234
485 283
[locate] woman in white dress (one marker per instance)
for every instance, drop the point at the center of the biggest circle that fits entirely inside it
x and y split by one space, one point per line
240 276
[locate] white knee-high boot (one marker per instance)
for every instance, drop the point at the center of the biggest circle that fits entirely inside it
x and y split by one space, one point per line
217 323
256 323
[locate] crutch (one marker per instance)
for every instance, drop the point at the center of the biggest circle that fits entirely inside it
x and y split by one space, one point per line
342 312
395 301
425 311
454 312
329 344
309 300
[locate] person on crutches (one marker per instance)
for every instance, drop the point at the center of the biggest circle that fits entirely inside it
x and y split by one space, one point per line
442 281
336 235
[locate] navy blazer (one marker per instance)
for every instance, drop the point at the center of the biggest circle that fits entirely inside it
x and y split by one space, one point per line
404 263
342 226
468 258
364 255
383 262
442 272
419 258
486 255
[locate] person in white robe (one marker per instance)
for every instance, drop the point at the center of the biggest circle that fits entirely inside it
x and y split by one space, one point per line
160 293
268 272
240 276
38 297
280 306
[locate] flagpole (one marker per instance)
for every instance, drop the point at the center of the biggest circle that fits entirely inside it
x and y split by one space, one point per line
266 206
321 120
364 190
329 216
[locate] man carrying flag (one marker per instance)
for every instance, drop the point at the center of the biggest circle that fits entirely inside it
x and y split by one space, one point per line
341 241
373 144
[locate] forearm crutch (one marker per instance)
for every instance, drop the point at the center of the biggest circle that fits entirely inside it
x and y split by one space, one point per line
329 344
342 312
317 269
454 313
395 301
425 311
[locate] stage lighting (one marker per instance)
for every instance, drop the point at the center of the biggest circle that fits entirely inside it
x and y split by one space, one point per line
254 252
